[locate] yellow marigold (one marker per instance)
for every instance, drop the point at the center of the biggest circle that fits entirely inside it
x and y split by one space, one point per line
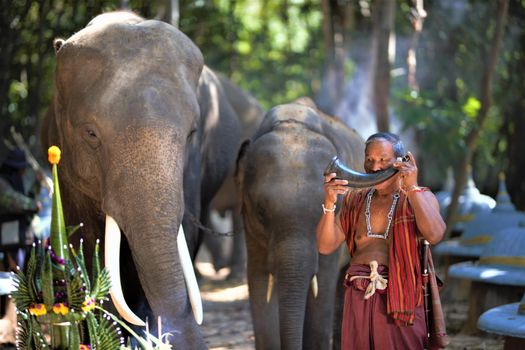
88 304
37 309
53 155
60 309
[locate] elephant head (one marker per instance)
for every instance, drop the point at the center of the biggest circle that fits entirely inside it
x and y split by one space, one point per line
126 115
279 176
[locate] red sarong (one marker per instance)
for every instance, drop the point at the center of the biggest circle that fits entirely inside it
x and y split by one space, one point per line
366 324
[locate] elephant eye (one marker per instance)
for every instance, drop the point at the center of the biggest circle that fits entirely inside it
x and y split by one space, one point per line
91 136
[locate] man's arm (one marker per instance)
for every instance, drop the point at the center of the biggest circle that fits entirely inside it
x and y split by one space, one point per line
425 205
329 232
426 210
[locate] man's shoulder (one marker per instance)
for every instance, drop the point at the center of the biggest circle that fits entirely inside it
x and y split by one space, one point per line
354 195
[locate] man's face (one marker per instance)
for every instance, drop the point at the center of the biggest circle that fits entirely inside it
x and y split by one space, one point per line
379 155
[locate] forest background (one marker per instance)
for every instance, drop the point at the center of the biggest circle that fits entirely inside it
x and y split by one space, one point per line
449 74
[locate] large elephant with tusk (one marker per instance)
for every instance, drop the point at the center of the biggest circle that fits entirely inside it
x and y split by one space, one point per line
147 137
279 175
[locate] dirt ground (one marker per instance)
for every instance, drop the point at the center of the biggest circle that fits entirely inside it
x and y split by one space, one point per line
227 319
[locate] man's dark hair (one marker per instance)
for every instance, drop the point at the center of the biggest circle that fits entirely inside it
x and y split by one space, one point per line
397 144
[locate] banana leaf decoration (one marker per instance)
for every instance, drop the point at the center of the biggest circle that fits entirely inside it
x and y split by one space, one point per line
55 290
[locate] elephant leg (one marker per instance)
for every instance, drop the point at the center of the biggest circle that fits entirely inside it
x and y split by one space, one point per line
238 255
338 308
264 315
217 246
318 326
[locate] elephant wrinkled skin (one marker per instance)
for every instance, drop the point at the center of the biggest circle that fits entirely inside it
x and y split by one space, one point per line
147 138
280 176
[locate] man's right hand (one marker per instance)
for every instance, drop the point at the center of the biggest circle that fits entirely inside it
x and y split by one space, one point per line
333 187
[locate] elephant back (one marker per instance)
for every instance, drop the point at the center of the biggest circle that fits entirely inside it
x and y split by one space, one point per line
348 144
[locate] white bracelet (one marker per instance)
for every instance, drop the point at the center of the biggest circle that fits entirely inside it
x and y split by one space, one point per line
326 210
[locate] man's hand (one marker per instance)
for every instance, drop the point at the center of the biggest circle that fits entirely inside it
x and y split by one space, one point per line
407 172
333 187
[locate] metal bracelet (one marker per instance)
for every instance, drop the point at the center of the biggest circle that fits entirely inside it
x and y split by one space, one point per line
326 210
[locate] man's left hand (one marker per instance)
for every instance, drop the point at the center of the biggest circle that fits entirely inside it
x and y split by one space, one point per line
407 172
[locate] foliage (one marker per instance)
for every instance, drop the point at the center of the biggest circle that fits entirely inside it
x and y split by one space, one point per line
62 297
275 50
451 58
270 48
56 298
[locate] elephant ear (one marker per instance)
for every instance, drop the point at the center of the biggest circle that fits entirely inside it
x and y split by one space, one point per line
239 172
57 44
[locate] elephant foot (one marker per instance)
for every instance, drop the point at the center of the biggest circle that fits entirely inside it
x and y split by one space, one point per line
237 274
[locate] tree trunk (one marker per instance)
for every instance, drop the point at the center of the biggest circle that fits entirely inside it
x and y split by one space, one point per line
337 23
486 102
383 24
328 39
418 16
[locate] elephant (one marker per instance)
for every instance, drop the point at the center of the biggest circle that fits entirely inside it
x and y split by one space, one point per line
250 114
147 136
279 176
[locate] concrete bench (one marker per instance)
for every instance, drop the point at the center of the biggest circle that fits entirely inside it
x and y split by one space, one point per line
497 278
507 320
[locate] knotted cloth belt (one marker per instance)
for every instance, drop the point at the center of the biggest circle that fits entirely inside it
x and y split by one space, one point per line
376 280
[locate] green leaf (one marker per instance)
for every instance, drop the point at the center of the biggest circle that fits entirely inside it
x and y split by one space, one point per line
96 262
47 282
471 107
102 285
70 230
74 337
81 264
76 293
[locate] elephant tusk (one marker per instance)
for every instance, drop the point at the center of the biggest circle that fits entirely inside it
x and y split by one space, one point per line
314 286
112 259
189 276
270 288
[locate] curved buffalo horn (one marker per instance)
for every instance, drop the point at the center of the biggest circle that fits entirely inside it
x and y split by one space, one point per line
189 276
355 178
112 260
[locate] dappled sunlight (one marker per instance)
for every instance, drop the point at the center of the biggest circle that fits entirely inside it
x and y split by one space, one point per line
492 273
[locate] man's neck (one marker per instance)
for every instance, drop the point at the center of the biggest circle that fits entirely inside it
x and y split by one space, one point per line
387 191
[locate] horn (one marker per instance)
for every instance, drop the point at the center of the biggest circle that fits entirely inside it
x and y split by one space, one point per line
112 259
355 178
189 276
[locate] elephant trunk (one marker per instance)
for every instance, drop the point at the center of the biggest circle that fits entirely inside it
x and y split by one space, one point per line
150 216
112 261
295 272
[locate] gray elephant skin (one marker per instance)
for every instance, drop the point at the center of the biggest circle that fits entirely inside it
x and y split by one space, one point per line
232 252
147 137
280 176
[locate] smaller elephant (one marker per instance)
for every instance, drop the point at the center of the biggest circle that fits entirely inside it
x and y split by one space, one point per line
279 177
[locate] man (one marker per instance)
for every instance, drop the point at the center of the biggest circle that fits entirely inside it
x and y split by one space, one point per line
16 207
382 226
